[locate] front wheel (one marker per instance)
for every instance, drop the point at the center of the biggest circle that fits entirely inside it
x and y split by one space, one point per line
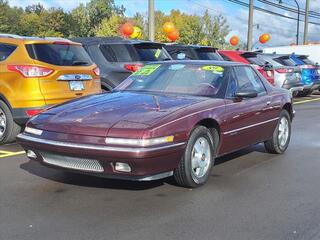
281 135
8 128
195 166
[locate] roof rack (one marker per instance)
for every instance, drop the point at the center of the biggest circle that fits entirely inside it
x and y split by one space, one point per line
7 35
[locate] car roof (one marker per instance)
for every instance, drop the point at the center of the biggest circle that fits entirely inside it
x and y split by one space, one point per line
201 62
109 40
178 45
12 38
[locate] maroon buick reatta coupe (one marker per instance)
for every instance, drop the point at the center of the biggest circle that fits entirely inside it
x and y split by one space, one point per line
168 118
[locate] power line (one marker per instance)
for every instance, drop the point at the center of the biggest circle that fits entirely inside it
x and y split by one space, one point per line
293 10
268 11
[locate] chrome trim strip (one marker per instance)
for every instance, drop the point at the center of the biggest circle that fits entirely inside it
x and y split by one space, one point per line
74 77
96 147
156 176
250 126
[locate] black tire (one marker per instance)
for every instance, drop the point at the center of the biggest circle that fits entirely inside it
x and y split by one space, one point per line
12 129
304 93
274 145
184 174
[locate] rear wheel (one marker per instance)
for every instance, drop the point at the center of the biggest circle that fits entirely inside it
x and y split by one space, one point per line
281 135
196 164
304 93
8 128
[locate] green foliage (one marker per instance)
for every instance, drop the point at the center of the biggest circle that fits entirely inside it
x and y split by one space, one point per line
103 18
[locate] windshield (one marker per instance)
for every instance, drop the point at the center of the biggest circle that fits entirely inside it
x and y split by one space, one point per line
188 79
59 54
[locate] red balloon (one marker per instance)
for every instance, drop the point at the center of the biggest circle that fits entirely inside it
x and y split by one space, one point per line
264 38
127 29
168 27
174 35
234 40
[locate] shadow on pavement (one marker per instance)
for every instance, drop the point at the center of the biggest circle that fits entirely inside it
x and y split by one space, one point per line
72 178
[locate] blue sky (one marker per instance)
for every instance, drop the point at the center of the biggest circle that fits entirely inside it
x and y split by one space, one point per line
282 30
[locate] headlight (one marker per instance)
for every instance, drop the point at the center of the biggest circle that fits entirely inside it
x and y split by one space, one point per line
139 142
33 131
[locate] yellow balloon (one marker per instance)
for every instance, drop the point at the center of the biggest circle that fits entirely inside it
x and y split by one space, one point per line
137 33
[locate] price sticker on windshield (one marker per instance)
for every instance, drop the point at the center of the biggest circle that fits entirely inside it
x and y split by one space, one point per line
214 69
146 70
158 52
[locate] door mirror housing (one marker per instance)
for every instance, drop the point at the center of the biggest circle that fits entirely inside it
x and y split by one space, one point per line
246 94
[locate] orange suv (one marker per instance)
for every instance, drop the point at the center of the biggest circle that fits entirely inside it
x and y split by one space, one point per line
36 73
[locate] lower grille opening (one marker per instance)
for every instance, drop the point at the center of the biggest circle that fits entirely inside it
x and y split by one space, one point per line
89 165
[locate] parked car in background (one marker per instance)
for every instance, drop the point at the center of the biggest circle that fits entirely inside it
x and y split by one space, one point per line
192 52
288 77
309 73
168 118
241 56
311 50
118 58
37 73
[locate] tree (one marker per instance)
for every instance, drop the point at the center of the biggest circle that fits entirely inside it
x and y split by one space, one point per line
109 27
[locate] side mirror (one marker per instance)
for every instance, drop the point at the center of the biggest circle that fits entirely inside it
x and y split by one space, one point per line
247 94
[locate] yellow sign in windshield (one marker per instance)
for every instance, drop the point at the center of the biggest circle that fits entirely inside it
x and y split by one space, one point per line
146 70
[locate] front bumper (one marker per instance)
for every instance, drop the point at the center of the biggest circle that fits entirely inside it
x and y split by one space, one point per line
293 87
147 163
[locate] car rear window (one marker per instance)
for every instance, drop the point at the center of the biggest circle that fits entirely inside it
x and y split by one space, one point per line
285 61
208 54
306 60
59 54
133 52
6 50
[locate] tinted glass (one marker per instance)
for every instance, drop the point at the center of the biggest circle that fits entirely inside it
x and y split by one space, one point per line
6 50
256 61
195 79
248 80
269 59
183 54
133 52
59 54
150 53
307 61
285 61
208 54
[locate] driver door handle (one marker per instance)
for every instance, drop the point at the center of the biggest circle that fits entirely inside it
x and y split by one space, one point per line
268 103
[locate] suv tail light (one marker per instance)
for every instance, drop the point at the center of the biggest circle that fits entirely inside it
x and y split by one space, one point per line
133 67
30 71
284 70
96 71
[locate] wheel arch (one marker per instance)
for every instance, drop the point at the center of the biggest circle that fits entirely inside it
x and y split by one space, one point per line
211 124
288 107
5 100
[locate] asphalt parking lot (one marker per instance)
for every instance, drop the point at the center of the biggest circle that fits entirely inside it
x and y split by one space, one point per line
250 195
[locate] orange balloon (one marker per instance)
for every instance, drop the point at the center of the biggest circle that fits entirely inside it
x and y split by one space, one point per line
174 35
168 27
264 38
127 29
234 40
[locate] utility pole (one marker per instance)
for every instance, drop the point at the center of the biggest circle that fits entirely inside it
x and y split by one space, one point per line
306 19
151 19
250 26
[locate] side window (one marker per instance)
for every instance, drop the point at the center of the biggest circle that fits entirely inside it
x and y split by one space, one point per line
248 80
117 52
6 50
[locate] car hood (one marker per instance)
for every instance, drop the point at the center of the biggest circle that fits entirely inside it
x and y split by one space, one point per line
97 114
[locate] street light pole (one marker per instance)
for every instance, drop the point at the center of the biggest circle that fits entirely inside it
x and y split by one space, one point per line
298 20
151 19
250 26
306 21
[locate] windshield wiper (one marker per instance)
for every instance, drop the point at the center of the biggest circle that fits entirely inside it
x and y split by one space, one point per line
79 63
